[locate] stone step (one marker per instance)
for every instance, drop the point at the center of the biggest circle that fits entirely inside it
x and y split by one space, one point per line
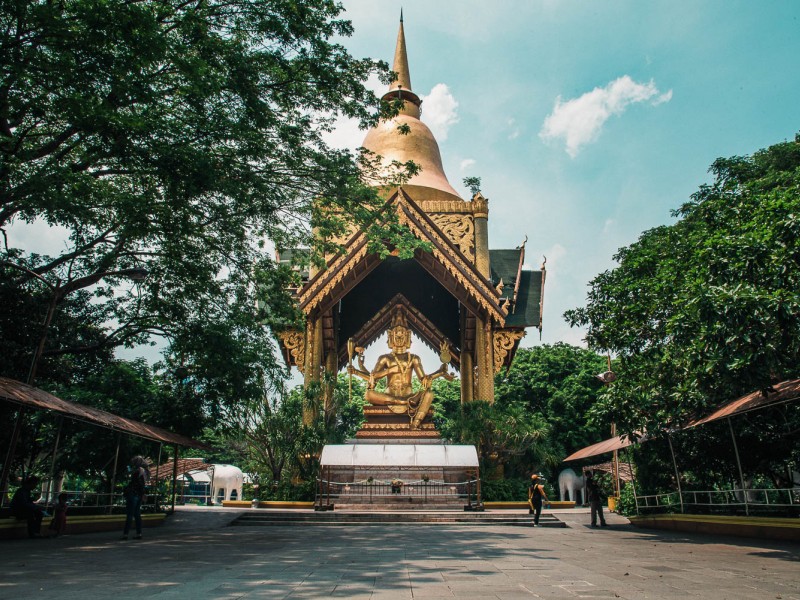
262 519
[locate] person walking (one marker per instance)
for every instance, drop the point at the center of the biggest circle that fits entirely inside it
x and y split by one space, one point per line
134 496
595 500
536 497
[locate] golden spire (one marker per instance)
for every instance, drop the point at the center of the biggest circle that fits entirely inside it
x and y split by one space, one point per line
400 65
417 144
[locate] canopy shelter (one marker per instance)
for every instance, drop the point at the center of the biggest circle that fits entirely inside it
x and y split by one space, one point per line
27 396
786 391
780 393
433 472
23 394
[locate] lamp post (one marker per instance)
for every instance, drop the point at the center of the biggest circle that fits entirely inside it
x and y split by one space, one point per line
57 293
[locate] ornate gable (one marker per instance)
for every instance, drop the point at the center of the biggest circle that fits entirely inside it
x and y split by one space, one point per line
446 261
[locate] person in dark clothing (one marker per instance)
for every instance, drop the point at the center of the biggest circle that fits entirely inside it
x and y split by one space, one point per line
595 500
134 496
536 497
23 507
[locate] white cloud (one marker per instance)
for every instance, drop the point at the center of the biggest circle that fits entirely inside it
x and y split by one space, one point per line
580 120
608 225
467 163
439 111
515 131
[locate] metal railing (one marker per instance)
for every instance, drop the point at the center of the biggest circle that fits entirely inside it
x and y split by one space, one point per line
365 491
101 501
733 499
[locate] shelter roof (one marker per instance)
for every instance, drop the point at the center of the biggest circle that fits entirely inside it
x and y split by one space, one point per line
398 455
185 465
27 395
625 472
616 443
786 391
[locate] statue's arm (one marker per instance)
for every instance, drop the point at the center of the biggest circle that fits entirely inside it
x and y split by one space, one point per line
361 371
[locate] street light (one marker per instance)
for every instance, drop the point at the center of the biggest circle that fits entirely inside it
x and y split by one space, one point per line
57 293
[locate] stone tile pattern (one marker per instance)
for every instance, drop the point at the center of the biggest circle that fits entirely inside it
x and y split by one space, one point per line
197 556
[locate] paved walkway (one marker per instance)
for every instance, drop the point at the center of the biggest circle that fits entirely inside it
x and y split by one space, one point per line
195 556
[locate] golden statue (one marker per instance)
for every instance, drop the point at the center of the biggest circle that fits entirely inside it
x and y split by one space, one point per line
398 367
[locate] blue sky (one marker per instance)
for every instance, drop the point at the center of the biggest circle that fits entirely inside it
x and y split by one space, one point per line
588 122
639 98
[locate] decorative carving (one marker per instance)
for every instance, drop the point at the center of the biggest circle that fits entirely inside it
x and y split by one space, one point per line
446 206
499 287
504 341
343 264
480 206
295 342
449 262
461 231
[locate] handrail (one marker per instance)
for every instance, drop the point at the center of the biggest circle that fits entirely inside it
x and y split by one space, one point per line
736 497
89 499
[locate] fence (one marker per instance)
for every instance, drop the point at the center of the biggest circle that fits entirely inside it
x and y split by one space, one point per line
786 500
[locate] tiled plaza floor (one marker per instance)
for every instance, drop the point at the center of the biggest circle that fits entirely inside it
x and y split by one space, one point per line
196 556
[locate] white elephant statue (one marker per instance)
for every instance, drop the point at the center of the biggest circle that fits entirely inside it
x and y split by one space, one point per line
570 481
225 480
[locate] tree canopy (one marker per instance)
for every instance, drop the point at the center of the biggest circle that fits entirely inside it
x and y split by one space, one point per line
708 308
540 414
187 140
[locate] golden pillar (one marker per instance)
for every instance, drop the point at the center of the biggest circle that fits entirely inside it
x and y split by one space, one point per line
484 349
480 211
484 384
313 366
467 374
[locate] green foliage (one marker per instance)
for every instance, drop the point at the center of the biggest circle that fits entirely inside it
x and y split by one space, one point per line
473 184
706 309
540 414
626 505
505 490
179 138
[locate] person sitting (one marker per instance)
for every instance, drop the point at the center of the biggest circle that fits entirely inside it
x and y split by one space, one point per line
23 506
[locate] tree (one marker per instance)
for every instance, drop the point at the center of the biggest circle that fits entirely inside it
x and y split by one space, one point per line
273 438
178 137
708 308
558 382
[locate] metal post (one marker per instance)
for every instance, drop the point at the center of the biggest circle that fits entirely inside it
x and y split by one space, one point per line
174 477
329 487
633 484
114 474
677 476
739 466
158 473
12 448
478 498
53 462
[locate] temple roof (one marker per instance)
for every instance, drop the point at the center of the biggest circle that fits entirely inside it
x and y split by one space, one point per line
418 144
524 289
